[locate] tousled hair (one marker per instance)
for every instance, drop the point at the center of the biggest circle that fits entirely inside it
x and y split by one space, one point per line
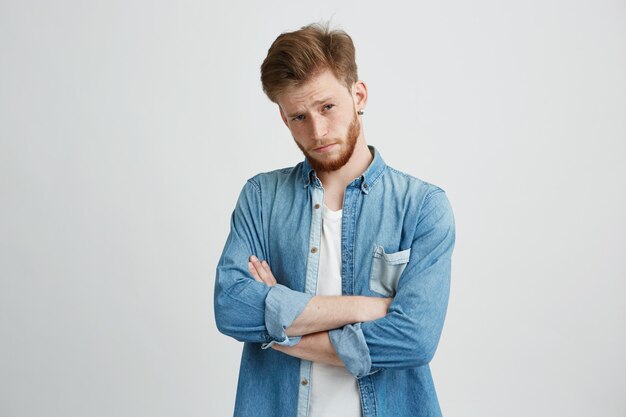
295 57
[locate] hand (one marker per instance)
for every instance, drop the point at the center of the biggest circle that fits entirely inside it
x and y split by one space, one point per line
260 271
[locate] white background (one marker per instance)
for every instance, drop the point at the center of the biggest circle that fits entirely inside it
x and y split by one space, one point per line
127 129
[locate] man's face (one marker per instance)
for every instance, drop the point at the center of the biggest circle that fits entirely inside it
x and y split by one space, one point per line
321 116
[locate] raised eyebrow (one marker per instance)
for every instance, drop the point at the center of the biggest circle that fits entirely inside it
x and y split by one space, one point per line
315 104
327 99
318 102
292 115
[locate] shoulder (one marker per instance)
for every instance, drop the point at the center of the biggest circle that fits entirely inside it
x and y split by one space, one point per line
427 203
411 186
272 180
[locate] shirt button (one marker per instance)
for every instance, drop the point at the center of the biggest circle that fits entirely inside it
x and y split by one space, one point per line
313 250
316 206
304 381
365 185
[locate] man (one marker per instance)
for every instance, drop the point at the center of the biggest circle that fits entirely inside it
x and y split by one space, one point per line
336 271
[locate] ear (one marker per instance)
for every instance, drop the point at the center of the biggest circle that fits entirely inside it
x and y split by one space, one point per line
359 94
282 115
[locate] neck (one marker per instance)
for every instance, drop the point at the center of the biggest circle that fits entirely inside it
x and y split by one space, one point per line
357 164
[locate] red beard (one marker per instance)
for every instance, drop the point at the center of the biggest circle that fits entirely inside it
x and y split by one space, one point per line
339 161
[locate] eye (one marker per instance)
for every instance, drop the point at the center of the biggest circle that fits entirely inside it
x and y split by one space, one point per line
298 118
328 107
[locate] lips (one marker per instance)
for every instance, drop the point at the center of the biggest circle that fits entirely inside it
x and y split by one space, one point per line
324 148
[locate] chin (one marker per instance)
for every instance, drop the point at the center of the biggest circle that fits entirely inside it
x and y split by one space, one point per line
331 163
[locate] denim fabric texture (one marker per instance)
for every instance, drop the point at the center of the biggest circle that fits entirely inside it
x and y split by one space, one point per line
397 241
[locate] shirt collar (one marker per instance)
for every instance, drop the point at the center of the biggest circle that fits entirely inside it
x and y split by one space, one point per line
365 182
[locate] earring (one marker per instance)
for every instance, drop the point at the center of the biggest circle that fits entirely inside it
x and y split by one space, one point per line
360 112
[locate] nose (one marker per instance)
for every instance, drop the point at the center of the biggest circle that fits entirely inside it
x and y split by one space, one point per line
319 127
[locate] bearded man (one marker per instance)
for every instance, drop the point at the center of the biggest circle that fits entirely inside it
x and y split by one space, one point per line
336 272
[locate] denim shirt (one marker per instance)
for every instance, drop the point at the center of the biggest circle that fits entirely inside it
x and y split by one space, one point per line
397 241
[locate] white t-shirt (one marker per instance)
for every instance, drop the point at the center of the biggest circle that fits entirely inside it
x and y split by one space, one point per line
334 391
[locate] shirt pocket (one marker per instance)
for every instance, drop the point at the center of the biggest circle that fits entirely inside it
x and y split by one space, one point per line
386 270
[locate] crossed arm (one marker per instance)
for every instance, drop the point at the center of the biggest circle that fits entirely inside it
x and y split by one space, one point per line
398 335
321 314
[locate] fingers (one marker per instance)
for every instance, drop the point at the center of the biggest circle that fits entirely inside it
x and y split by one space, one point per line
261 271
253 272
257 269
268 271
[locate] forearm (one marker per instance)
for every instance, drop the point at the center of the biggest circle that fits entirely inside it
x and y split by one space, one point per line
324 312
315 347
331 312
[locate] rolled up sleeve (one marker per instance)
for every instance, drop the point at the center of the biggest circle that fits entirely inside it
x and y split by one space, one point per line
282 306
351 347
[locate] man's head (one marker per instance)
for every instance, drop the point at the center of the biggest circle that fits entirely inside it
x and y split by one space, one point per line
311 75
296 57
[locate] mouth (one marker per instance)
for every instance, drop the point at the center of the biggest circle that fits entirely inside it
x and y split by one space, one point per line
325 148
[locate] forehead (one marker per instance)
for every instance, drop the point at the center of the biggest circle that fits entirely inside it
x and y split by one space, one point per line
319 88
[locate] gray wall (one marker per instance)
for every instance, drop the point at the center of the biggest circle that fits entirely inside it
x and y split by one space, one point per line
128 127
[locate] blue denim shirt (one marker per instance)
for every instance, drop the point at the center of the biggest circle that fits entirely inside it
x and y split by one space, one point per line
397 241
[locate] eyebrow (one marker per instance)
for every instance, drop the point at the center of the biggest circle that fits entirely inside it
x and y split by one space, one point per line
315 103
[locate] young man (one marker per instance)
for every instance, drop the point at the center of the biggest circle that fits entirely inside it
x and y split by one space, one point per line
336 271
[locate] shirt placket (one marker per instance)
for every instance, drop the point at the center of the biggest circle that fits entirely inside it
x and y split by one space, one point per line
368 398
350 203
351 207
310 287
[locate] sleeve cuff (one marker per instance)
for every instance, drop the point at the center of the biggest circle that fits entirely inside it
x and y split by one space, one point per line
349 343
282 307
